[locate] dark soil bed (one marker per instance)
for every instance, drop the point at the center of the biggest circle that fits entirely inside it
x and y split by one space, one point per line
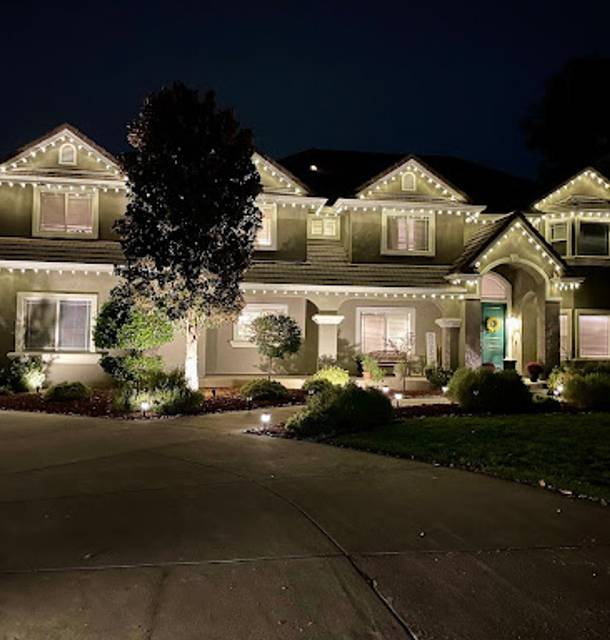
101 404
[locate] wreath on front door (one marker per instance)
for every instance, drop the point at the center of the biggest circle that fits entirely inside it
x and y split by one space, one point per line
492 324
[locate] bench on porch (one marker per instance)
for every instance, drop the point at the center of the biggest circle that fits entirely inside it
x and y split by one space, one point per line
387 360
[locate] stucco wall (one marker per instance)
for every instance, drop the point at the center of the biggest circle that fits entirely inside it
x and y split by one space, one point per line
366 228
291 236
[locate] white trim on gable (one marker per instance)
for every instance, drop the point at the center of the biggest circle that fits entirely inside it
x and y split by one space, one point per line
589 173
411 165
65 135
288 184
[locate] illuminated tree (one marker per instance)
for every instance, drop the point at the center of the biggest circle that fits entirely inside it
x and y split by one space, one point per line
276 336
188 233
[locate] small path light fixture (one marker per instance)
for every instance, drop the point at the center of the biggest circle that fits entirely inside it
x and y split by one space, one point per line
265 419
398 398
385 389
144 406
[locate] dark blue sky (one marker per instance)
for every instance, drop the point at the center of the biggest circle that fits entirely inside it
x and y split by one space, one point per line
429 77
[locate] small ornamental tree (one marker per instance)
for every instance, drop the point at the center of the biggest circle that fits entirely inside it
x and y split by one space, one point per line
190 225
276 336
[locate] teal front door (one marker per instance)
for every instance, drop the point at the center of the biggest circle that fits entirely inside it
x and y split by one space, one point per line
493 343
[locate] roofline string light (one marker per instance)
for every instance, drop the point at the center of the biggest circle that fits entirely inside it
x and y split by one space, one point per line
588 173
266 166
30 153
410 167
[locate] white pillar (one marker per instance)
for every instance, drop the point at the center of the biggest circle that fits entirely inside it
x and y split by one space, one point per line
447 325
328 325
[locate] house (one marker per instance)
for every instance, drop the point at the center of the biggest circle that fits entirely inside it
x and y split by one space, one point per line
453 262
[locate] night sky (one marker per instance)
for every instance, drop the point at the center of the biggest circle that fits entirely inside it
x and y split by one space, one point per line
434 77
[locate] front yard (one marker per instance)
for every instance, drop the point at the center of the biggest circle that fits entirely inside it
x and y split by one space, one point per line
564 451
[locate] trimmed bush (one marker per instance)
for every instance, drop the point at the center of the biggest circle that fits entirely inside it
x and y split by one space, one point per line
168 394
534 370
134 369
25 373
333 374
589 391
370 366
438 377
264 390
342 410
319 385
68 391
485 391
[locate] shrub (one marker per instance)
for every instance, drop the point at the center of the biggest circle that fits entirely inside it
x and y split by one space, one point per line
24 373
589 391
317 385
534 369
438 377
483 390
134 369
264 390
342 410
370 366
333 374
68 391
167 394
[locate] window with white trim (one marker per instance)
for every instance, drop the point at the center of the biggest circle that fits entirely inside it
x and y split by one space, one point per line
558 237
242 328
564 337
55 322
407 233
385 329
67 154
323 227
408 181
266 235
593 336
68 213
593 239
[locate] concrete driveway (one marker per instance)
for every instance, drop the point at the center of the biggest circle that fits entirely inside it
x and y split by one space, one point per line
189 529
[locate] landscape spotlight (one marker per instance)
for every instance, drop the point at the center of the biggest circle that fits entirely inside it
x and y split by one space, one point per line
265 418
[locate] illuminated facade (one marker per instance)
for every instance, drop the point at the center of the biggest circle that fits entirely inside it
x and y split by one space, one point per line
368 252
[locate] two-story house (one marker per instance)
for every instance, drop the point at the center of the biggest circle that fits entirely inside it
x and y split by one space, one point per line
368 252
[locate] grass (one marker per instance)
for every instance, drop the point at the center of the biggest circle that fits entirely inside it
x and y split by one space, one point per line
569 452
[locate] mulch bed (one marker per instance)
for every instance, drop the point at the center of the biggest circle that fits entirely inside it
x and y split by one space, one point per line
100 404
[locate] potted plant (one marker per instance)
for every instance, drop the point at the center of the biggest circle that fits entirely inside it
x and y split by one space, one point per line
371 369
534 370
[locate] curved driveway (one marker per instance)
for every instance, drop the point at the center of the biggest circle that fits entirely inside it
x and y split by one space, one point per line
188 528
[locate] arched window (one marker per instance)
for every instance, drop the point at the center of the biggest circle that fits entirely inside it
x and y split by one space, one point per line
67 154
495 287
407 182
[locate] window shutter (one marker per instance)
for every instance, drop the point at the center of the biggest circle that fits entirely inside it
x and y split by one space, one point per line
52 216
74 324
79 214
593 336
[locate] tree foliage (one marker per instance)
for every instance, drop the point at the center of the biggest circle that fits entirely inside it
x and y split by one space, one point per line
275 335
569 126
190 225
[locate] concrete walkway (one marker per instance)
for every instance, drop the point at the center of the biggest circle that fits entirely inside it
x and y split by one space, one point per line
189 529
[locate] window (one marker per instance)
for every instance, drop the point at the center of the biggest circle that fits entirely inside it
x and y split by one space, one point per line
564 337
67 154
323 227
266 236
593 239
385 329
594 336
61 214
407 233
407 181
241 329
55 322
558 237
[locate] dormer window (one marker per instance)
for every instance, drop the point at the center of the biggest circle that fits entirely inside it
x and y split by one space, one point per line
67 154
407 181
407 233
65 214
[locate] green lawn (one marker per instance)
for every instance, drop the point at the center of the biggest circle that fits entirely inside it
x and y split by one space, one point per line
566 451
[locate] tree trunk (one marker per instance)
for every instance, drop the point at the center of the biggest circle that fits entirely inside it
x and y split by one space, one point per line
190 361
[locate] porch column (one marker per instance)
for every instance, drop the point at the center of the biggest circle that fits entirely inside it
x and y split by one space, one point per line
328 325
472 333
449 341
550 357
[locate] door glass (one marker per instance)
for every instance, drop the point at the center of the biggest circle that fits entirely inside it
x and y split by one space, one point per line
492 334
